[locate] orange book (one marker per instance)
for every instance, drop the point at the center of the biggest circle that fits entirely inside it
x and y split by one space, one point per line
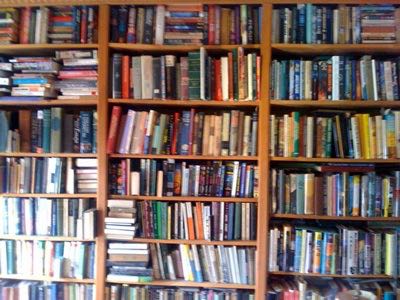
199 213
189 220
113 129
125 77
24 26
218 80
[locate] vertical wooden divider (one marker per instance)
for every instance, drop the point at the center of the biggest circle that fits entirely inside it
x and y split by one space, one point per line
263 156
102 111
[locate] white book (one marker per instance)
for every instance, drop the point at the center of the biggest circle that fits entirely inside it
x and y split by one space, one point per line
310 137
309 248
126 139
303 251
286 135
397 131
160 25
374 80
378 133
120 220
135 183
335 77
235 179
184 219
147 77
364 195
225 78
120 203
213 264
136 246
38 23
221 221
250 95
384 140
197 181
355 134
171 270
128 251
246 141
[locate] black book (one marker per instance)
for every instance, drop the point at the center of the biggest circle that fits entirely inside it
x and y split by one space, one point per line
116 76
156 78
148 25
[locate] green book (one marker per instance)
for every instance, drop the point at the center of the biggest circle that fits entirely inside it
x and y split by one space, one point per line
237 234
296 121
194 75
46 130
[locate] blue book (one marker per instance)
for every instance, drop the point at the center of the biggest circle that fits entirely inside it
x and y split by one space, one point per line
350 200
85 125
300 194
53 228
94 132
297 251
389 295
91 256
309 23
76 17
371 194
46 130
231 223
284 83
242 183
53 291
10 249
301 36
184 133
4 128
220 187
378 196
323 252
21 98
27 80
297 74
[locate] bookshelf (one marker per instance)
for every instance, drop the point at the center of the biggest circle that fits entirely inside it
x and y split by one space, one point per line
265 105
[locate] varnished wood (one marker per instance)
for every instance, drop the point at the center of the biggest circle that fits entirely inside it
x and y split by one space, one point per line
181 283
43 238
185 157
63 155
335 218
369 276
41 49
183 198
295 104
54 102
49 195
240 243
183 103
146 48
335 160
45 278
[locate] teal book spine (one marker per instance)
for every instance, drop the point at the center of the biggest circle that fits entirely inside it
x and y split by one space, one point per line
309 23
46 130
194 75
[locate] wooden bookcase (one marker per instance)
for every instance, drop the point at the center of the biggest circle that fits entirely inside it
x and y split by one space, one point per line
267 50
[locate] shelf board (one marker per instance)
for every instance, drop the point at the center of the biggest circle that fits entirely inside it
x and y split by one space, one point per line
29 154
45 278
335 49
340 104
335 218
184 103
189 242
183 198
50 102
369 276
43 195
185 157
43 238
335 160
182 283
145 48
28 49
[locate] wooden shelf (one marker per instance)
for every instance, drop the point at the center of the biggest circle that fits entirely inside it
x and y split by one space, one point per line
49 195
45 278
145 48
43 238
183 198
369 276
189 242
335 218
181 283
339 104
184 103
51 102
335 49
335 160
29 154
185 157
29 49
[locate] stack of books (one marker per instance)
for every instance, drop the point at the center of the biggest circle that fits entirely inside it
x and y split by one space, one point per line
86 175
378 23
180 24
9 20
129 261
34 76
120 222
77 78
5 77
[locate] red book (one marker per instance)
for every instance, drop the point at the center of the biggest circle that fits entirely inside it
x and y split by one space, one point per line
24 26
61 18
175 134
125 77
113 130
218 78
211 24
84 15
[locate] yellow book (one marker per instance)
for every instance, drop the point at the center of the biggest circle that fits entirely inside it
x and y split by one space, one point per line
364 135
317 252
385 196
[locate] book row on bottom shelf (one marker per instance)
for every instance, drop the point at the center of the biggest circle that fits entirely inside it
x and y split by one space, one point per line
181 220
188 132
334 249
50 130
150 177
48 175
235 76
11 289
126 292
40 25
177 24
336 190
341 134
69 74
336 78
47 258
48 217
329 288
134 262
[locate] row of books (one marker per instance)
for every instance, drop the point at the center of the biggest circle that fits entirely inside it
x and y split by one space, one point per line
11 289
48 217
40 25
186 220
176 24
336 78
48 175
47 258
328 288
337 192
70 73
344 24
234 76
125 292
185 133
149 177
48 131
329 250
339 134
